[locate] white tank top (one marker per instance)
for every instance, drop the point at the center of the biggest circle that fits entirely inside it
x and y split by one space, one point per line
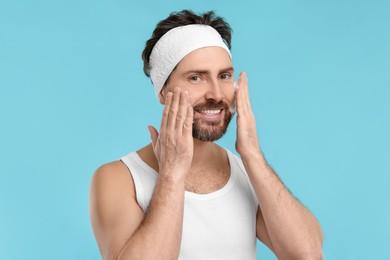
217 225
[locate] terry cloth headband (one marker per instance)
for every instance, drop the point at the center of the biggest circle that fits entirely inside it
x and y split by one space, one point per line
171 48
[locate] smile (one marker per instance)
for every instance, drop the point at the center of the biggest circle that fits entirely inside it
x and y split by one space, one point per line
210 114
210 111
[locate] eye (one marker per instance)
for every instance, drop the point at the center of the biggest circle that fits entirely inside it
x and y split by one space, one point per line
226 76
195 79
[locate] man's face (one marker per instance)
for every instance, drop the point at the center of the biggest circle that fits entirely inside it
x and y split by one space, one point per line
207 75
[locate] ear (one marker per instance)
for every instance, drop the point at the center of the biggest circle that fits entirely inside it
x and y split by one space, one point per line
161 98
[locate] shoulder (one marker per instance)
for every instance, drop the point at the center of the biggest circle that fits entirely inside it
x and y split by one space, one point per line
114 168
112 177
235 158
110 171
237 164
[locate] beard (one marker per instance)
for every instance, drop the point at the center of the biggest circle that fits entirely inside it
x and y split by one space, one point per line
210 131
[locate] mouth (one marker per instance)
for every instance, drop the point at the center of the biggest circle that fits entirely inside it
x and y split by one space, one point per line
210 114
210 111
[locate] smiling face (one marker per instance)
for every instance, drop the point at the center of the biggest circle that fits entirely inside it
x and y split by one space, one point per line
207 75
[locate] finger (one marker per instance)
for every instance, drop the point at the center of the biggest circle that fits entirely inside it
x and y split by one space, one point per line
187 126
182 111
239 97
242 93
244 79
153 135
239 101
173 109
240 80
246 90
243 84
164 119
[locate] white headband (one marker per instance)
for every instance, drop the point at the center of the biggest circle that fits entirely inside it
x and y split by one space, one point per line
171 48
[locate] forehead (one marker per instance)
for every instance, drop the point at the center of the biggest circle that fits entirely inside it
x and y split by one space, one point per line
207 58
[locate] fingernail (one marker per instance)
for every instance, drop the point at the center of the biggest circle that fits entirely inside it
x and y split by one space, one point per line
169 94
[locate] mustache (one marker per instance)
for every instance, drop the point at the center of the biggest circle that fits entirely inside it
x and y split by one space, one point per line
211 104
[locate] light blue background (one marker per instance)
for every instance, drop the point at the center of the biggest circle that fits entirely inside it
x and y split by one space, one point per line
73 97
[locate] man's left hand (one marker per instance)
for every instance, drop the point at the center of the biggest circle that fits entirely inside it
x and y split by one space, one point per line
247 142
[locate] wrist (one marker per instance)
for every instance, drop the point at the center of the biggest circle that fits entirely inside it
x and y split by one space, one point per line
251 153
172 175
254 156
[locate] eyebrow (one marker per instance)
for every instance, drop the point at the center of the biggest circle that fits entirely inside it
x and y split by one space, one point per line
207 71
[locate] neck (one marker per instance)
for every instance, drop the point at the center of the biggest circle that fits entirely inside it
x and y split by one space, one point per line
203 152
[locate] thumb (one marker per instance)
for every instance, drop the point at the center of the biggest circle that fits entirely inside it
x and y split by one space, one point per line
153 135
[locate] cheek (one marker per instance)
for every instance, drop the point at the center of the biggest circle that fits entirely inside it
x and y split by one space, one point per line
177 83
230 94
194 97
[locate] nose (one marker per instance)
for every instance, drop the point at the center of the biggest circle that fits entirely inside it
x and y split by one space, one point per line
214 91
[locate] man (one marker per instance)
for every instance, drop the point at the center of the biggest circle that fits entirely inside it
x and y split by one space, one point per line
183 196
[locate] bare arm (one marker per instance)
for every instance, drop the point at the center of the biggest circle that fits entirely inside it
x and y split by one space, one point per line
121 231
289 229
159 235
293 231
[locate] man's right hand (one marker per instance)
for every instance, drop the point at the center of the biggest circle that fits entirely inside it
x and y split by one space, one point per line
173 146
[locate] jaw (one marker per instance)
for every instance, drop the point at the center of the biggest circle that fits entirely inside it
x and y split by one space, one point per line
210 128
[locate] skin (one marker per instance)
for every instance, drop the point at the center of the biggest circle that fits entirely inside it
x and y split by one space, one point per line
124 231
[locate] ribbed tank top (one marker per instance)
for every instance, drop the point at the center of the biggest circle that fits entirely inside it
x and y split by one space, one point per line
216 225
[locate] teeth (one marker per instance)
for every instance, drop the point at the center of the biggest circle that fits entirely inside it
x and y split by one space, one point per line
210 112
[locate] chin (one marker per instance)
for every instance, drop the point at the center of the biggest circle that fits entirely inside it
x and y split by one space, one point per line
210 132
207 136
